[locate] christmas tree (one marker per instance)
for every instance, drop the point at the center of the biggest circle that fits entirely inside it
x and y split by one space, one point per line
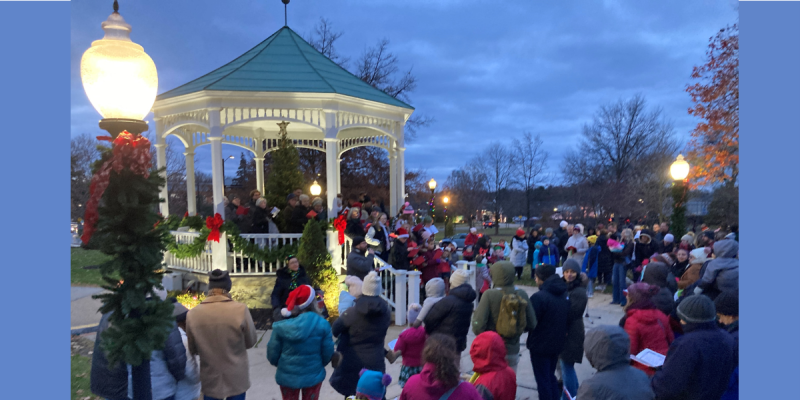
285 176
314 256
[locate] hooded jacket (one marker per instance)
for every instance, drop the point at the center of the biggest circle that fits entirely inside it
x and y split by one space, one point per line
607 349
722 273
573 346
659 274
300 347
698 365
107 381
648 328
360 264
589 266
642 251
361 331
488 354
452 315
552 315
580 244
519 251
167 367
485 317
398 256
548 254
434 291
410 343
424 386
283 280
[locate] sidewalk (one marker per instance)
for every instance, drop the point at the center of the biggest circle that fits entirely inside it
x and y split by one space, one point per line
262 374
83 308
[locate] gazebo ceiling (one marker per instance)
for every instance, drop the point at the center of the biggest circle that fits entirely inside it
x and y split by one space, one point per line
284 62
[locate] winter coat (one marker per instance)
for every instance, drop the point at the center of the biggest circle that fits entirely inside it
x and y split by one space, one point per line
648 328
167 367
589 265
286 216
643 252
189 387
261 220
360 264
722 273
605 259
698 365
563 238
573 346
300 347
109 383
519 250
690 276
220 331
283 281
659 274
532 240
552 315
361 331
624 256
430 268
732 393
243 222
471 239
452 315
580 244
488 354
398 256
678 268
378 238
410 344
485 317
354 228
607 349
424 386
434 291
346 300
298 220
548 255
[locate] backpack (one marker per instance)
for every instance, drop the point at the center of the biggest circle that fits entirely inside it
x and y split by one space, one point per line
512 319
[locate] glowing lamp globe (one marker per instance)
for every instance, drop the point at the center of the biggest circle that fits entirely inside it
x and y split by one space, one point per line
432 184
446 200
315 189
679 169
119 78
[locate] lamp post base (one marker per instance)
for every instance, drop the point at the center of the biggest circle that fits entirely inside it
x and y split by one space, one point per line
115 126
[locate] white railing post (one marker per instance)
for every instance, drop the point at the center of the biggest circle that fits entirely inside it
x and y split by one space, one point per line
336 251
401 282
219 253
413 286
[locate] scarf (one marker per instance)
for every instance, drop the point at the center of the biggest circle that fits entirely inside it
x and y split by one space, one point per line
294 274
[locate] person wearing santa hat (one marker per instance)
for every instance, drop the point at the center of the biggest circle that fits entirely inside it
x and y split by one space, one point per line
398 254
472 237
300 346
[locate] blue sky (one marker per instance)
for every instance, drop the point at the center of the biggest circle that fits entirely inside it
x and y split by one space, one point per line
486 70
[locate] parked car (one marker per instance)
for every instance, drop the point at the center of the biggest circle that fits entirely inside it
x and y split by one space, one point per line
457 239
488 224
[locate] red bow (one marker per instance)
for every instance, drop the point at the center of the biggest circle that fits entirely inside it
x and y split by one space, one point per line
214 223
186 214
128 151
340 223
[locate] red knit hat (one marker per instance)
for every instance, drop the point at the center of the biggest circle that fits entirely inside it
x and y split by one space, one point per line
520 232
402 232
300 297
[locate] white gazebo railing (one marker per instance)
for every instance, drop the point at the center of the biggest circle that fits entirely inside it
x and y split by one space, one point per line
244 265
399 288
203 263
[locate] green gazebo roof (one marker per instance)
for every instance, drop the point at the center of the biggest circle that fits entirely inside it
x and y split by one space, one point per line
284 62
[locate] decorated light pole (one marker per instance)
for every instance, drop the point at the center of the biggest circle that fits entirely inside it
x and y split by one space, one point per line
448 224
431 206
120 81
679 171
315 188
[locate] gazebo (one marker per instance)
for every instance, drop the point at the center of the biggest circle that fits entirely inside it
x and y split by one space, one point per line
282 83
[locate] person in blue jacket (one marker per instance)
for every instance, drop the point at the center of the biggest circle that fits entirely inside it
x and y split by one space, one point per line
589 266
300 346
548 254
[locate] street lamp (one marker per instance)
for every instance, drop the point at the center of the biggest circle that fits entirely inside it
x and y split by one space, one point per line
223 172
679 171
316 189
432 209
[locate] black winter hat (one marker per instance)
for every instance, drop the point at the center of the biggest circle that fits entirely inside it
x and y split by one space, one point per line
697 309
545 271
219 279
358 240
727 303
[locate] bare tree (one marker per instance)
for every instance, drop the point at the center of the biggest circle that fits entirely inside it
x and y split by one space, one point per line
467 189
499 167
324 41
529 164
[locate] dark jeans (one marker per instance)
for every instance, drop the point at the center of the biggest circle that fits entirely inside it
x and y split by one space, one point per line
237 397
518 270
618 281
544 370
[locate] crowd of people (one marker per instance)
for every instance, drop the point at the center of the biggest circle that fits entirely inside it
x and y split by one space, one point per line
680 300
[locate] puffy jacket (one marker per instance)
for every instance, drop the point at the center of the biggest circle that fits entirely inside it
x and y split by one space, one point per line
607 349
648 329
106 382
732 393
297 221
434 292
722 273
452 315
488 354
642 251
698 365
300 347
424 386
261 220
519 250
359 264
361 331
167 367
552 315
589 266
471 239
580 244
189 387
485 317
573 346
411 343
283 280
398 256
549 255
354 228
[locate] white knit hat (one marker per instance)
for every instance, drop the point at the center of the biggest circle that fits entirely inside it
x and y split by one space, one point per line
459 277
371 285
353 285
473 229
413 312
563 224
669 238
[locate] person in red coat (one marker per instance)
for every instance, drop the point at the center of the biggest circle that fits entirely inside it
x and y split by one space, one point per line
646 325
472 237
488 354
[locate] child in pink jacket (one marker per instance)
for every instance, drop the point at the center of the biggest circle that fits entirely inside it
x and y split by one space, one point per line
409 345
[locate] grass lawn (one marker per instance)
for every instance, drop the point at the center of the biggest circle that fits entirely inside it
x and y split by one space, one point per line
80 258
79 372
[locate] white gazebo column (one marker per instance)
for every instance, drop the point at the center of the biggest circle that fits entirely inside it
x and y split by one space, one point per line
339 175
161 163
259 174
332 170
401 175
393 197
219 251
191 197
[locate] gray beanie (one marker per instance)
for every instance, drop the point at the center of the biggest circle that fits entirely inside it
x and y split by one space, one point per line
697 309
573 265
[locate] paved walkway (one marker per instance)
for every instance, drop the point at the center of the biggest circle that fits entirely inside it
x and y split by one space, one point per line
84 308
262 373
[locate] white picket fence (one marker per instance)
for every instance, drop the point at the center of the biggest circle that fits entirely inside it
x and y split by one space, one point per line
202 263
243 265
399 288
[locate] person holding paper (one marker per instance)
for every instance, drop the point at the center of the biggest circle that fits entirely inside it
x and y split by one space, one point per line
647 326
607 349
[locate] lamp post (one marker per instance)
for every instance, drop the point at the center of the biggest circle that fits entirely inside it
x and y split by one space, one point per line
432 208
679 171
448 225
223 172
316 189
121 81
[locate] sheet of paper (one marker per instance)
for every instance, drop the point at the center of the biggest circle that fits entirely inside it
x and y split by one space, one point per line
650 358
392 344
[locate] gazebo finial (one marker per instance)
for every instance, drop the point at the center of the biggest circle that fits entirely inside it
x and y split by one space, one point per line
285 2
116 7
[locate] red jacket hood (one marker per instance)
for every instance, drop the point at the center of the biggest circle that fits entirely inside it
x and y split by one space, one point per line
645 316
488 353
